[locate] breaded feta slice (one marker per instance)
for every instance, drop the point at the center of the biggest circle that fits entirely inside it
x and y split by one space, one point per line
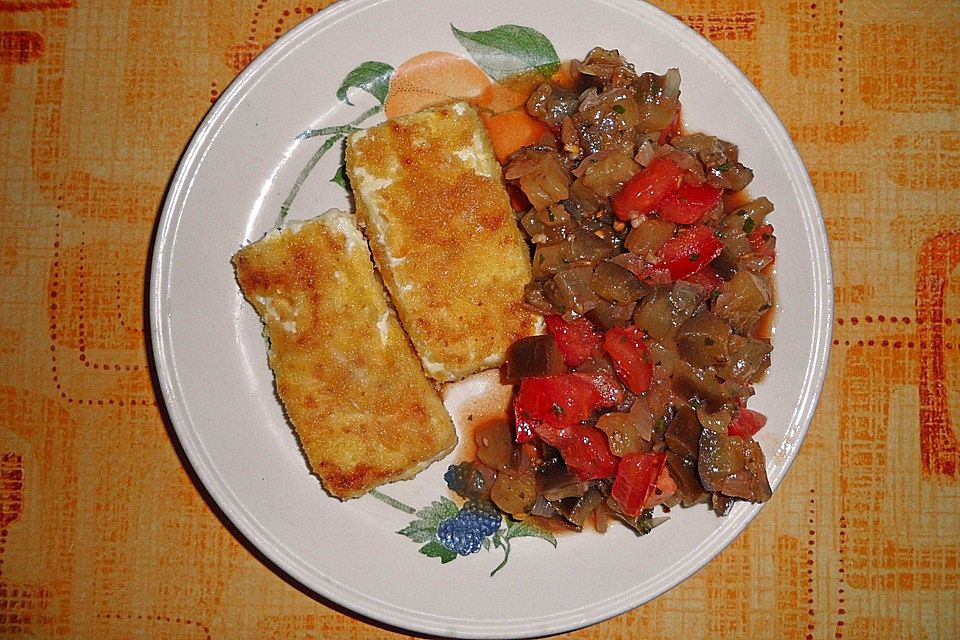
430 194
351 385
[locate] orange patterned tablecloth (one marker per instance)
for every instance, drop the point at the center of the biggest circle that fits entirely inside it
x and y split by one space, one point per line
103 534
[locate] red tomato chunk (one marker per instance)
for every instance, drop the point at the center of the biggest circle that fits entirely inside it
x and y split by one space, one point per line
642 193
561 400
761 240
631 360
688 204
585 449
706 278
636 479
747 423
607 384
576 340
692 250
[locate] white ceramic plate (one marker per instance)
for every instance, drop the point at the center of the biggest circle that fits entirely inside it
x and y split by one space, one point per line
236 174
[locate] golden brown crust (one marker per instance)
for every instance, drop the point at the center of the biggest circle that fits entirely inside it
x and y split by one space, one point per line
429 191
345 372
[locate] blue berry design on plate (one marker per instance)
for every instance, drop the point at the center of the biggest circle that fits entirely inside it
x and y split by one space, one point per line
447 531
482 516
459 536
464 533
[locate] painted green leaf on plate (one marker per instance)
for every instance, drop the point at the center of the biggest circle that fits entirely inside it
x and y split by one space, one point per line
524 529
341 178
434 549
371 76
509 49
424 527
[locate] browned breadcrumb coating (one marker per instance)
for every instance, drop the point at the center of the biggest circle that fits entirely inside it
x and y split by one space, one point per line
350 383
430 193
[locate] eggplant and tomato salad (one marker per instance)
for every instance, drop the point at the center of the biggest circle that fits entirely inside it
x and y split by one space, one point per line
652 268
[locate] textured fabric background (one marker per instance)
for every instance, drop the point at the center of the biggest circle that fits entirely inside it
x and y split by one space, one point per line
104 535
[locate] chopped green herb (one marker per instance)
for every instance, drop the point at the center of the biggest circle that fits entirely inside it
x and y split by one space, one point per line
748 225
557 409
723 167
618 108
708 341
694 257
661 424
